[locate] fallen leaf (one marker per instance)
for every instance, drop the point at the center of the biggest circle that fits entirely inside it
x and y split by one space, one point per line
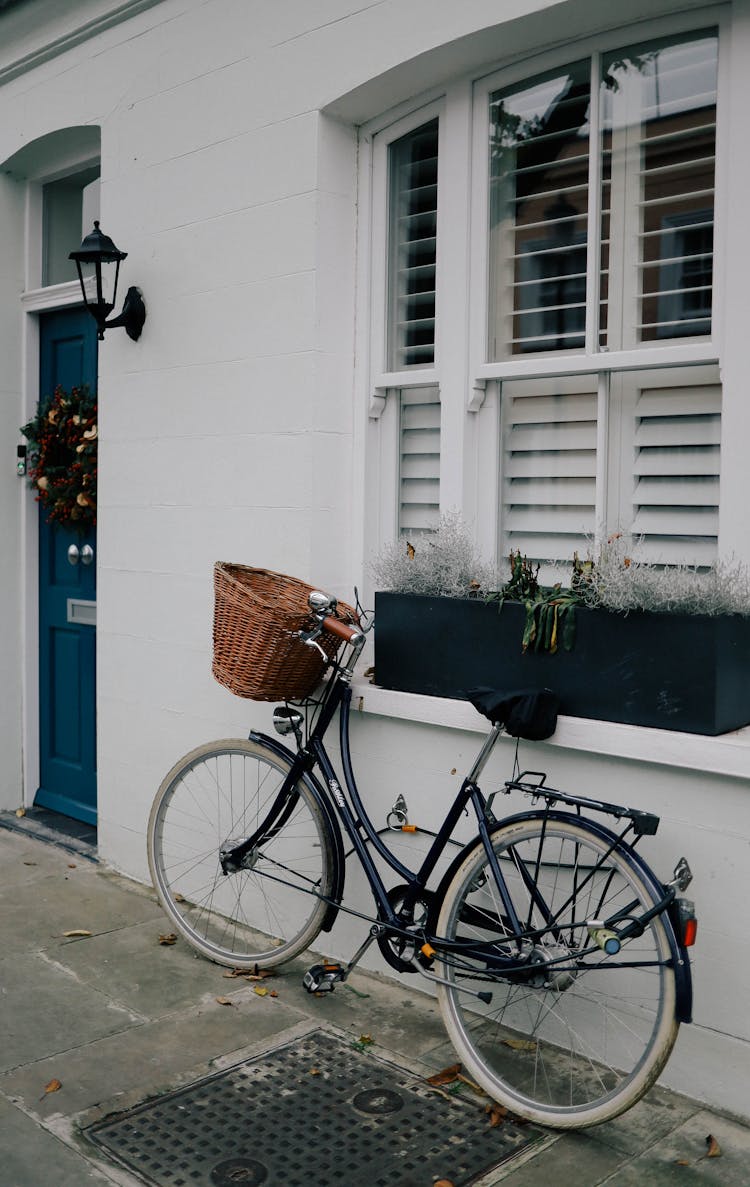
474 1087
260 990
443 1183
72 865
713 1149
224 1001
446 1076
365 1039
171 938
29 863
179 898
520 1044
77 931
496 1114
53 1086
314 1071
682 1162
272 993
20 811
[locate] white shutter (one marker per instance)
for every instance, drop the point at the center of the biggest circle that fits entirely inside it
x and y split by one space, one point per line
676 436
549 430
419 460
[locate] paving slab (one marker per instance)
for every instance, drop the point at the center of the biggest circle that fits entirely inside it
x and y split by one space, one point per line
32 1156
681 1159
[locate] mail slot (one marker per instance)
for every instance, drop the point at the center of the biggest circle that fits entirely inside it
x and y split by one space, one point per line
81 612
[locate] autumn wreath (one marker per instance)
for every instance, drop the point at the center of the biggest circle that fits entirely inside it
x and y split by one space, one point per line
62 456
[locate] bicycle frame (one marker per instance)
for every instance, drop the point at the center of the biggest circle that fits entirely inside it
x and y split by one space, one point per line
362 833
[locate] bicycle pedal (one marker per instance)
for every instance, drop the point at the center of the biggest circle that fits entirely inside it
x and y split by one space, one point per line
322 978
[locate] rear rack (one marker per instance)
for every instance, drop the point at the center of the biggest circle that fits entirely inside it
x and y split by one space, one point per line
533 783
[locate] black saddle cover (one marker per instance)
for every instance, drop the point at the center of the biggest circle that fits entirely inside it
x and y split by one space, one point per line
525 713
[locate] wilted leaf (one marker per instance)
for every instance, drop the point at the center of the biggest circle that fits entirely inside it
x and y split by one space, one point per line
224 1001
171 938
77 931
474 1087
520 1044
53 1086
496 1114
713 1149
446 1076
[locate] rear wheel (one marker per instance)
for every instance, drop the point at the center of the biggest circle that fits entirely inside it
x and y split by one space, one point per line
576 1036
272 909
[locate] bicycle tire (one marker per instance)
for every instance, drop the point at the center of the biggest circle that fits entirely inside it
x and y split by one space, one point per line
588 1044
263 915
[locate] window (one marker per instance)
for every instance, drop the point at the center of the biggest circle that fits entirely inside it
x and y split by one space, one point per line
412 254
69 207
572 370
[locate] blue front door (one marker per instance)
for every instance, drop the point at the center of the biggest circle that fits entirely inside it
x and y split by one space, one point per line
67 604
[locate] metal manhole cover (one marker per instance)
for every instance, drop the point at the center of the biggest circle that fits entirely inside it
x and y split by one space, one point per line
316 1111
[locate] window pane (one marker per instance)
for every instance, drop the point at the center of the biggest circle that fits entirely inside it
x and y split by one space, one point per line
658 102
419 471
62 225
549 466
412 232
539 163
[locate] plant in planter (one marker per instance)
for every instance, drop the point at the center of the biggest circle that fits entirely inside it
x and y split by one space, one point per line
655 646
63 457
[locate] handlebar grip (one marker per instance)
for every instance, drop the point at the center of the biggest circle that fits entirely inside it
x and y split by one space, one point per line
343 630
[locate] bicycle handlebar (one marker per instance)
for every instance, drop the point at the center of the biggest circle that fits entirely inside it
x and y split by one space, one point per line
334 626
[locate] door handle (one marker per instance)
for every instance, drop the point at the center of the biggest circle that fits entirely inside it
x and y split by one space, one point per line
85 555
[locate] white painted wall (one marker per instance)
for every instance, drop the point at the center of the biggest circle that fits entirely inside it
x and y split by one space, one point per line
234 430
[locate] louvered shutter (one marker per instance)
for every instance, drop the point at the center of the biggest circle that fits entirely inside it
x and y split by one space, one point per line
548 467
419 460
676 441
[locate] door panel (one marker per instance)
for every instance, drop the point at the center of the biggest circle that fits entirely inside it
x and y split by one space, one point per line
67 649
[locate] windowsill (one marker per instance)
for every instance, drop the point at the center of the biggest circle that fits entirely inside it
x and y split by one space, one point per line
727 755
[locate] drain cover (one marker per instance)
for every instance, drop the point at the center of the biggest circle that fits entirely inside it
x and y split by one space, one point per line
316 1111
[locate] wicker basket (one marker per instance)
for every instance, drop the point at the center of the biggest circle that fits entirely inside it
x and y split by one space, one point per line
256 613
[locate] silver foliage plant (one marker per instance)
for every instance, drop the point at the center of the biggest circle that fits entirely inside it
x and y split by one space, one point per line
444 564
619 581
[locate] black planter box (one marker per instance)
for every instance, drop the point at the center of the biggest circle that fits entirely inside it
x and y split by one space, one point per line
671 671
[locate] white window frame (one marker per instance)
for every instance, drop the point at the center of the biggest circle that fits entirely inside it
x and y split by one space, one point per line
467 382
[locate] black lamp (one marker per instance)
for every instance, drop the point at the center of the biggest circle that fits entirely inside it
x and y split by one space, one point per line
98 249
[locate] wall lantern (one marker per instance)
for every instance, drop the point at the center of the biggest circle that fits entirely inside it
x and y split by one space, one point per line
98 249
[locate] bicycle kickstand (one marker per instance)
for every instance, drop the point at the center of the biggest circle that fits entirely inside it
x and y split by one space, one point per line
323 978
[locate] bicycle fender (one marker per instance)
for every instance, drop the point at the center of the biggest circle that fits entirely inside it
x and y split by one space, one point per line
313 786
680 958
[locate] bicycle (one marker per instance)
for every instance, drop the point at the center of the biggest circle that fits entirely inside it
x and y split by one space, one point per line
559 958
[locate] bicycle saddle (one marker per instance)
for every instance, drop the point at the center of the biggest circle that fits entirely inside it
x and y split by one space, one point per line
524 713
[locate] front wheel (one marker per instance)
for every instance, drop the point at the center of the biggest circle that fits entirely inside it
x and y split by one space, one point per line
267 912
575 1036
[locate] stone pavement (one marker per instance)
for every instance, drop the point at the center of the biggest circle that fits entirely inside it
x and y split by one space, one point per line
117 1018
